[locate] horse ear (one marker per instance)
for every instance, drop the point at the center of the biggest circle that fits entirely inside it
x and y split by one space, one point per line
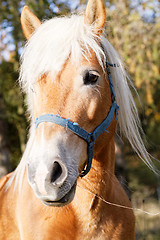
29 22
95 14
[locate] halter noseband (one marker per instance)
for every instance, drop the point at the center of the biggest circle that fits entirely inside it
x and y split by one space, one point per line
82 133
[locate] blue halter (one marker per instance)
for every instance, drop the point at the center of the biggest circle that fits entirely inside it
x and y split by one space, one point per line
82 133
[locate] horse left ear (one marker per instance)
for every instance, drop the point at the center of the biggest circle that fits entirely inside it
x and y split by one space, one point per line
95 14
29 22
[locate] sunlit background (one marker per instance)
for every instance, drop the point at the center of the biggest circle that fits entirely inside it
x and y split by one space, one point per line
133 28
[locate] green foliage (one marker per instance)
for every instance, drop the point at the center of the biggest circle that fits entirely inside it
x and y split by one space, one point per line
138 43
14 109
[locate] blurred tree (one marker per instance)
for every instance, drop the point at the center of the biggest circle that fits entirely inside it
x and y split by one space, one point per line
5 166
136 38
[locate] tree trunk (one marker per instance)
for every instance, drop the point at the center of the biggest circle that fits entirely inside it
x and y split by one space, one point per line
5 165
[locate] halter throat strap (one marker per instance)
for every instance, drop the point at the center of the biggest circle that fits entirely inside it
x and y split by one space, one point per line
90 138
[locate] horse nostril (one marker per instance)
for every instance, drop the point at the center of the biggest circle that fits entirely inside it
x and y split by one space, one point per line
56 172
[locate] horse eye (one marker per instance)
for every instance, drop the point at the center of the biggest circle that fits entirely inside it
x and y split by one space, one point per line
90 77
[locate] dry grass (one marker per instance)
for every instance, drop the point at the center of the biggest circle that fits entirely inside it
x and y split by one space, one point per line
147 226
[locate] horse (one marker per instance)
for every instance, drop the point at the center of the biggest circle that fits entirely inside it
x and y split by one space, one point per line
65 186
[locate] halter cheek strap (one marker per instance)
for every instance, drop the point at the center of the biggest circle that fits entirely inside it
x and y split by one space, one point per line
90 138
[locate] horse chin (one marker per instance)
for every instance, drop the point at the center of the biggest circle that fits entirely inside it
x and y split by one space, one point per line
65 200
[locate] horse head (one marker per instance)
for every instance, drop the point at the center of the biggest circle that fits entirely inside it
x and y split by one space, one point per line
75 88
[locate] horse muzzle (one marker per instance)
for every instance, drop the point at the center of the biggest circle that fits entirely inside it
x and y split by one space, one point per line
52 184
64 200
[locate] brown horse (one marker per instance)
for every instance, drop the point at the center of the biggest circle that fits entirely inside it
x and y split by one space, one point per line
55 193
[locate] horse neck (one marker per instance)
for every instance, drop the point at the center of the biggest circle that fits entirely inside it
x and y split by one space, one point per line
99 180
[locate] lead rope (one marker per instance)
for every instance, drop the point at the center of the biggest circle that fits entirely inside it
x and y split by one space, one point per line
118 205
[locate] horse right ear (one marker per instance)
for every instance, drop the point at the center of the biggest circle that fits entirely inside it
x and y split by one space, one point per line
29 22
95 14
